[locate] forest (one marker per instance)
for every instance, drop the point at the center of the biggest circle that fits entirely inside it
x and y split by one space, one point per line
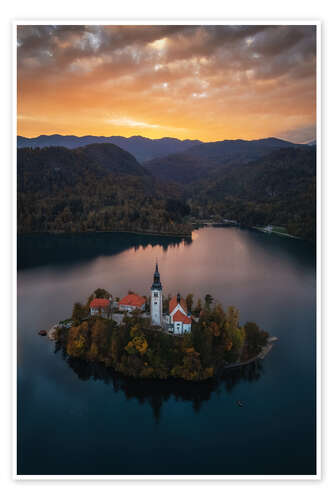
101 187
279 189
137 349
95 188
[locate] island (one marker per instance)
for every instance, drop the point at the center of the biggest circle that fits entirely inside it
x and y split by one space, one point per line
160 337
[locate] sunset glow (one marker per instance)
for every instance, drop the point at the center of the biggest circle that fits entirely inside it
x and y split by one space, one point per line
198 82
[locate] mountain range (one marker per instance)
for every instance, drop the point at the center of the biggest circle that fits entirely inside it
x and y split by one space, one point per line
147 150
101 187
198 160
142 148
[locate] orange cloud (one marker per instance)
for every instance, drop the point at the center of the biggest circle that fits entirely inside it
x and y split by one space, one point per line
200 82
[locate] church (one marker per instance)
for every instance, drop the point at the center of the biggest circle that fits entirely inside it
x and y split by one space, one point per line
178 321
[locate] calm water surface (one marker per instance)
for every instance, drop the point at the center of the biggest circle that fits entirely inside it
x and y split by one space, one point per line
79 419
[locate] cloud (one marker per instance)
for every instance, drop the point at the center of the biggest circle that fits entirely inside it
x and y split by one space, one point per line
128 122
211 82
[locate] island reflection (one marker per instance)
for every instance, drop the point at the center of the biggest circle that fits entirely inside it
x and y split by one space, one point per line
157 392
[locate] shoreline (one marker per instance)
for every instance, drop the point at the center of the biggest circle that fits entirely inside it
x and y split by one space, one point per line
168 234
143 233
262 354
202 224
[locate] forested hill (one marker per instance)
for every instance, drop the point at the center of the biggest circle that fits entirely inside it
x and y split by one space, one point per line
279 189
94 188
142 148
196 162
50 168
100 187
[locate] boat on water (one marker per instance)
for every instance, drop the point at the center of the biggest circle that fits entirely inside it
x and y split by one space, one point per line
42 333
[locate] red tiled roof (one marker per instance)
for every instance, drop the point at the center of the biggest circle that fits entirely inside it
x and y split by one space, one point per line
179 316
132 299
99 303
173 303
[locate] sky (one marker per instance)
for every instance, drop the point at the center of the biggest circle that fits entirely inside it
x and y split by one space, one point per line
192 82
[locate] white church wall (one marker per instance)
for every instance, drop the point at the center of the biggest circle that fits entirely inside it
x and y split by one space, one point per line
156 307
178 328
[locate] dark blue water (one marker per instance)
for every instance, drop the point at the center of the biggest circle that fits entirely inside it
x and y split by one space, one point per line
75 418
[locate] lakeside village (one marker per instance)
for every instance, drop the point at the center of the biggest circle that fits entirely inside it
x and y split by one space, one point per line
159 338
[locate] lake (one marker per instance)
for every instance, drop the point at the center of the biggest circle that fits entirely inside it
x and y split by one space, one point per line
75 418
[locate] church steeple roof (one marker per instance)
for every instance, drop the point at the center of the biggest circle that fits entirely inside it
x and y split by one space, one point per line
157 285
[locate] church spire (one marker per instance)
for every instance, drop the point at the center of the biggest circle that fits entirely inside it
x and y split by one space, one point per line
157 285
156 302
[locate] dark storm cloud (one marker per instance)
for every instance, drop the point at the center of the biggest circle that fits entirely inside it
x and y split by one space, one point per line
252 46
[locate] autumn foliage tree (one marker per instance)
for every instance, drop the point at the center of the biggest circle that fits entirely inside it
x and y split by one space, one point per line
137 349
78 312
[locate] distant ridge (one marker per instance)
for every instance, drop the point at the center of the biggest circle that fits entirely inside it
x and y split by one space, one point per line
142 148
197 161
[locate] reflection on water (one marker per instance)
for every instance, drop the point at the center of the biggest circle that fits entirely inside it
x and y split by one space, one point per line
157 392
75 418
40 249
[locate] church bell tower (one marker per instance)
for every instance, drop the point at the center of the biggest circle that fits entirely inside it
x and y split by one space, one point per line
156 304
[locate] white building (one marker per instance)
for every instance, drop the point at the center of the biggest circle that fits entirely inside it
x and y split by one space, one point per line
100 307
179 320
131 302
156 303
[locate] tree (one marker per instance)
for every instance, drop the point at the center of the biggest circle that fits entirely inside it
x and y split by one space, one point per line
78 312
208 300
135 348
189 301
137 345
77 340
234 335
166 301
198 307
256 338
100 293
